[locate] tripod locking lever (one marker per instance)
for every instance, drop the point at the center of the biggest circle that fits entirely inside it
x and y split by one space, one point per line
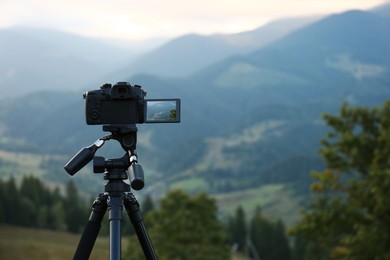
84 156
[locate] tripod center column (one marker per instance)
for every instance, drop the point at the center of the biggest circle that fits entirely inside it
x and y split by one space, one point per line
115 207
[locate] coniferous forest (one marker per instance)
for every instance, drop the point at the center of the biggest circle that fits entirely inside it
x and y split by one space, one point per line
32 204
349 207
184 219
282 152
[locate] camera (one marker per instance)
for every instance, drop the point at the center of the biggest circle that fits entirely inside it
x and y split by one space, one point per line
123 103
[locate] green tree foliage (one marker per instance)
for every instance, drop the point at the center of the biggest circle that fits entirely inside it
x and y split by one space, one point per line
260 238
147 205
75 214
184 227
349 215
268 239
10 202
238 230
32 204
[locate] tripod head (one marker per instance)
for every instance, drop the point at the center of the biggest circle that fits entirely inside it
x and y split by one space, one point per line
117 168
118 108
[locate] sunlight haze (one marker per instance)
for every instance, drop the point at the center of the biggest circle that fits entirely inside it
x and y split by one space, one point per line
138 20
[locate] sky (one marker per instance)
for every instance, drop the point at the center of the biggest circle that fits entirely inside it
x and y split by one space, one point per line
147 19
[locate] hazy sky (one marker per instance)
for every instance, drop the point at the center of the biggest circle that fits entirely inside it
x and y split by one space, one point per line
141 19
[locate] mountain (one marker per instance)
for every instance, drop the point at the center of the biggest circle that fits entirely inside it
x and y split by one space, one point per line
339 53
247 121
309 71
382 10
189 53
41 59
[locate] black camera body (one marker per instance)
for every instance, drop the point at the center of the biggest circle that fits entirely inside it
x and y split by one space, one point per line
118 104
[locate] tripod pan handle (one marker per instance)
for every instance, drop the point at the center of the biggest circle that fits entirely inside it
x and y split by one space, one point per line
78 161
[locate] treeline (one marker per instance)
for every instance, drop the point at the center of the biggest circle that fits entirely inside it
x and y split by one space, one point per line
182 225
32 204
187 227
348 217
259 238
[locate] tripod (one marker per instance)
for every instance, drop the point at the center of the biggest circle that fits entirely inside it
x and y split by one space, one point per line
117 192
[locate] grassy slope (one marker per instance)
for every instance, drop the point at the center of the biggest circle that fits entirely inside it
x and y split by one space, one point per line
276 200
22 243
19 163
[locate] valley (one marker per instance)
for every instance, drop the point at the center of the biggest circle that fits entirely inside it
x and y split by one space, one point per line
251 120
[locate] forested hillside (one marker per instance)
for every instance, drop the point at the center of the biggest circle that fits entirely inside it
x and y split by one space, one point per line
247 121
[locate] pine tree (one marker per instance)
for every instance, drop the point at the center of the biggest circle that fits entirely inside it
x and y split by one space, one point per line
238 230
349 216
147 205
75 215
13 212
185 227
35 198
56 216
268 238
2 198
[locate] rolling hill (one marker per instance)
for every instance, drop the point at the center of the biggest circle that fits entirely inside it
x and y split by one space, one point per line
185 55
248 121
35 59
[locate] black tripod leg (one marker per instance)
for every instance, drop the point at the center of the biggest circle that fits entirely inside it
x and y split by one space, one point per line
92 228
134 213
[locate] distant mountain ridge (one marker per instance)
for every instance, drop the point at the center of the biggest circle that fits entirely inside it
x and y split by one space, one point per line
187 54
247 121
382 10
40 59
303 70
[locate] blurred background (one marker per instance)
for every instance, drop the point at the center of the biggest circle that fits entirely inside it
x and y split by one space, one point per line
254 79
